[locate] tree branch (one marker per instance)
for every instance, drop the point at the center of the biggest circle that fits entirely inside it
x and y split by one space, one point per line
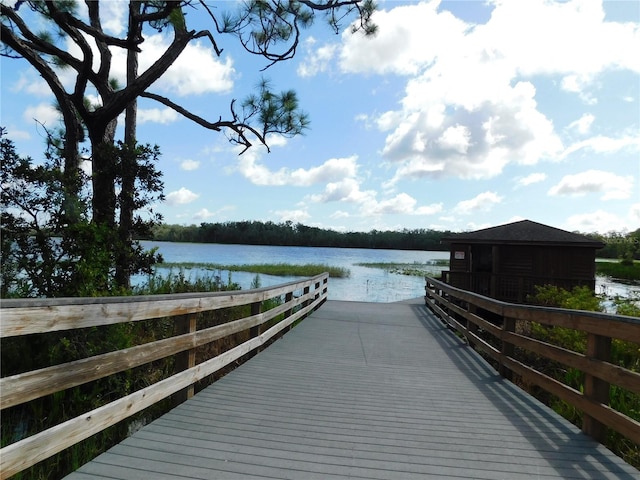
236 125
105 54
34 42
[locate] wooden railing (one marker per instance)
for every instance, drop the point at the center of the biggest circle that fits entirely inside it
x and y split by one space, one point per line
24 317
508 288
498 330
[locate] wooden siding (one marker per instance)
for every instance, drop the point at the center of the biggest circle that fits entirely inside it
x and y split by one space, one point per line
364 391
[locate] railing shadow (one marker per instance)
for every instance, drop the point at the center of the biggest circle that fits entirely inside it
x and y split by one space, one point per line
554 437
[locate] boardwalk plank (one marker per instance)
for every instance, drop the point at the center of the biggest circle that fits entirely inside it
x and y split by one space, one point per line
359 390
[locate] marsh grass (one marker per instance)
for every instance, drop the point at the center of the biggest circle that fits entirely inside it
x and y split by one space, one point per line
275 269
619 270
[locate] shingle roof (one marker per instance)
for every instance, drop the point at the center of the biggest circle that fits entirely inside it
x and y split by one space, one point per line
524 232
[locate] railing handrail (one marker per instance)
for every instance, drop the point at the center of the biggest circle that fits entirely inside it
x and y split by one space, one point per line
28 316
460 309
549 315
82 312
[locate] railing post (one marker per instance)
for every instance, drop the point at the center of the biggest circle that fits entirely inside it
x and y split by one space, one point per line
470 326
316 287
506 349
596 389
305 292
256 308
288 298
187 359
325 285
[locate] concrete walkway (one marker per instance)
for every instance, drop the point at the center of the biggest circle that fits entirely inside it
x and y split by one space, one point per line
363 391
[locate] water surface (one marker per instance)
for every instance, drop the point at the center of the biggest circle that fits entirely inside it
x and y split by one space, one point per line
364 284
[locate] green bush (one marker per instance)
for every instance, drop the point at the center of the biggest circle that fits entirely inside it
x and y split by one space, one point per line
623 353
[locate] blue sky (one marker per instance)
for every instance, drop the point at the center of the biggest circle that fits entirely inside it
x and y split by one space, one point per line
457 115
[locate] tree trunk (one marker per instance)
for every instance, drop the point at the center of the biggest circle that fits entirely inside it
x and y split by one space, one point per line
104 202
70 153
103 174
128 160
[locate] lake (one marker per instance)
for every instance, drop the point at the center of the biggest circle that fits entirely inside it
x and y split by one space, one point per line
364 284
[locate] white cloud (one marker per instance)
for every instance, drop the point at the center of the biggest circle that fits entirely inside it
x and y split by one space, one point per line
196 71
634 214
298 216
318 60
480 203
189 165
114 17
401 204
331 170
469 109
347 190
604 144
481 133
583 124
455 138
408 38
157 115
599 221
428 209
579 84
44 113
576 39
206 214
339 214
594 181
16 134
181 197
203 214
530 179
32 84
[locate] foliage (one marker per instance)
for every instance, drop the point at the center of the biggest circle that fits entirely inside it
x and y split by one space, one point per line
290 234
623 353
72 40
623 270
44 254
623 246
179 283
580 298
629 306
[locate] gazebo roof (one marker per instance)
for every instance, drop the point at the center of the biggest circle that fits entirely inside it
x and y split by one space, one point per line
524 232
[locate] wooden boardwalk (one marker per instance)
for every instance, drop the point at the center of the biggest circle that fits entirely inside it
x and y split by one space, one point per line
362 391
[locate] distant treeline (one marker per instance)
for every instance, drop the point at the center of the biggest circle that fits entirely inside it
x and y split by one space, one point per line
617 245
296 234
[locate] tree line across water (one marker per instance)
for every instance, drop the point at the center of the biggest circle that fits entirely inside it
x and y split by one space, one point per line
617 244
297 234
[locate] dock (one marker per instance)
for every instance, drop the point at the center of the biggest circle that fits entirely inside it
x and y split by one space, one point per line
361 391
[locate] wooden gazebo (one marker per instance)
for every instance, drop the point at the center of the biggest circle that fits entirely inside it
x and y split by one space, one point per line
507 262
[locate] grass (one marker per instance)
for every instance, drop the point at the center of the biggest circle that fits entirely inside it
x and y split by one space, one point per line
275 269
411 269
619 270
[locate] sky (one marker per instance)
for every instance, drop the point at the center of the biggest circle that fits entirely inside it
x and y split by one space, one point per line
457 115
